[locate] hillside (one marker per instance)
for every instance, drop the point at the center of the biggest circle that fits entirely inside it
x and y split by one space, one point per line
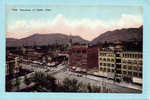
122 34
44 39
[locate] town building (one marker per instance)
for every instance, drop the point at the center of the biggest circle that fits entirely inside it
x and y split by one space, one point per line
83 57
78 57
92 57
120 65
12 66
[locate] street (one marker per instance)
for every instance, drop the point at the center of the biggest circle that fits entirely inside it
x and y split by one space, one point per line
60 73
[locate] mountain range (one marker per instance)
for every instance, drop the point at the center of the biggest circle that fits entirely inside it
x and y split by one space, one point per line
127 34
122 35
44 39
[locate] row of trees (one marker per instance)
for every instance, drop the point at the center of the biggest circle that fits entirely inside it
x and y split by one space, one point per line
47 83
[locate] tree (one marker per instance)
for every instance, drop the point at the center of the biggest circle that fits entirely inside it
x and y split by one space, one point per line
50 83
96 89
43 80
89 87
38 78
93 89
71 85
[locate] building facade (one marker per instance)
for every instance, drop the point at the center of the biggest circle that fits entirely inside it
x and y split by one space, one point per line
92 57
12 66
120 65
78 57
132 65
106 62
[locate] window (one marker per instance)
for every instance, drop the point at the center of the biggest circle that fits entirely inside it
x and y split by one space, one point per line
112 65
135 74
112 70
101 64
140 68
140 55
112 60
83 51
140 74
108 65
118 71
101 69
118 60
104 69
108 59
104 64
129 61
134 62
117 55
78 51
130 67
124 72
73 51
104 59
130 73
135 68
124 66
135 55
118 66
108 70
123 61
140 62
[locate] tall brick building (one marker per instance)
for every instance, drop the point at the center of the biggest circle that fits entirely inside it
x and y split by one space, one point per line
83 57
78 57
92 57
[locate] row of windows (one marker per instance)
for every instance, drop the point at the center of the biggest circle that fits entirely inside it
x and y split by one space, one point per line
132 55
132 68
107 64
106 70
79 51
107 59
107 54
136 74
118 55
126 55
124 66
123 61
132 62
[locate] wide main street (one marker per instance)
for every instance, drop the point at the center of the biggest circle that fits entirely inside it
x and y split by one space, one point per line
85 80
60 72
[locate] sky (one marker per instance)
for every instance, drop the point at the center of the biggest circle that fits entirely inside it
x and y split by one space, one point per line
86 21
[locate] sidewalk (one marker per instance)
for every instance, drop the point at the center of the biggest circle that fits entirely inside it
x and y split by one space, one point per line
123 84
130 85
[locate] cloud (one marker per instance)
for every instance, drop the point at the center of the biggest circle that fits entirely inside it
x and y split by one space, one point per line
86 28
